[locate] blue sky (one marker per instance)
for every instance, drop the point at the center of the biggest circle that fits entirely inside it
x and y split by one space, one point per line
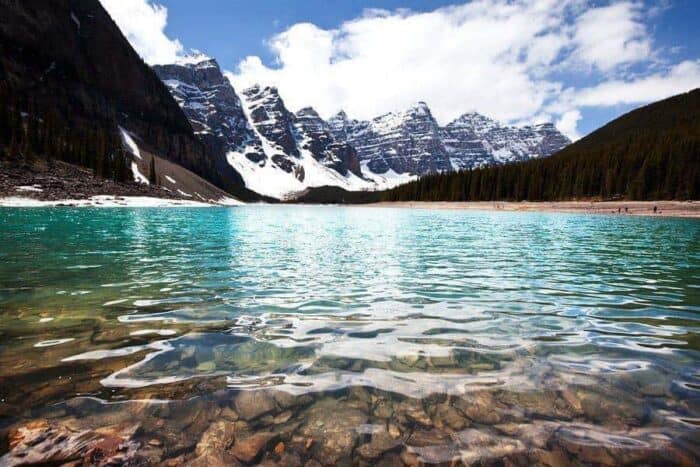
578 63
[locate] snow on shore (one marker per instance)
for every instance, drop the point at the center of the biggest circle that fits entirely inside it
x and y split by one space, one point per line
109 201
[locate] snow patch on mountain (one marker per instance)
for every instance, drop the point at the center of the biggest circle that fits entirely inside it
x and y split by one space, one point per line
129 142
279 153
288 166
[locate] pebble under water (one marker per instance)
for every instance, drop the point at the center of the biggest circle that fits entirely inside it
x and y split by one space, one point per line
306 336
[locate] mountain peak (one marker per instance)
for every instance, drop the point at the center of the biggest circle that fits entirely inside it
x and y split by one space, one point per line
420 106
340 117
308 112
196 58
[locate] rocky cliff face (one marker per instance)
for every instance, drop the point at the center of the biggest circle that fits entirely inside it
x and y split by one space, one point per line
406 142
280 153
412 141
473 140
276 151
208 100
69 58
318 139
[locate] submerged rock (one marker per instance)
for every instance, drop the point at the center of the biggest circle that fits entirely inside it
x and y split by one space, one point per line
253 404
380 443
250 448
331 426
218 437
43 442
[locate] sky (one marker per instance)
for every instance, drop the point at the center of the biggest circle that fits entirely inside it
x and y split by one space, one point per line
577 63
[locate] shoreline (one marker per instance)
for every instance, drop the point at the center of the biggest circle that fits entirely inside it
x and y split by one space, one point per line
112 201
679 209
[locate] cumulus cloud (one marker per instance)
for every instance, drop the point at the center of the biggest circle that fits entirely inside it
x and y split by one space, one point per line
496 57
143 23
613 35
512 60
568 122
476 56
679 78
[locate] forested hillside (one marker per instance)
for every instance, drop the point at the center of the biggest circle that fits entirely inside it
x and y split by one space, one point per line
69 79
34 135
650 153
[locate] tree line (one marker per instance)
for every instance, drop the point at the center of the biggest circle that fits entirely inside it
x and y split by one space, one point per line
652 153
29 134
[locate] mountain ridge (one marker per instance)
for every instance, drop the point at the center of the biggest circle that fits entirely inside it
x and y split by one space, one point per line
650 153
366 155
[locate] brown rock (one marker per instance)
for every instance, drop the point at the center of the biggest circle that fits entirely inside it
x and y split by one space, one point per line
288 401
218 437
423 438
410 459
279 449
287 459
554 458
412 409
394 431
481 407
213 459
252 404
41 442
283 417
380 443
332 425
248 449
445 414
383 409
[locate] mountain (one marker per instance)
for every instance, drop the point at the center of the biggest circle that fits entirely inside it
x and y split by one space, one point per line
319 140
412 142
66 68
651 153
278 153
473 141
209 102
404 142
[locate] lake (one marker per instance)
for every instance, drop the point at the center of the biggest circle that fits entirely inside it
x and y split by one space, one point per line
306 335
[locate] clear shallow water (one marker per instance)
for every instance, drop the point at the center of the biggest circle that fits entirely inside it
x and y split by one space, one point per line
582 327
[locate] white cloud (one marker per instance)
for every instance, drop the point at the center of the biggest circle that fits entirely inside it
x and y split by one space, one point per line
497 57
612 35
508 59
143 23
478 56
682 77
568 122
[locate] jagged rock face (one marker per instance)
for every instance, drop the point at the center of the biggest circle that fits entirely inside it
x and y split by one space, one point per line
318 138
473 140
412 142
271 118
209 101
405 142
551 140
276 152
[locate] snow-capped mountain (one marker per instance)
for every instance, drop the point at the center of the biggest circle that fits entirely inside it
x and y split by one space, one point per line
412 142
319 140
279 153
473 140
209 101
276 152
405 142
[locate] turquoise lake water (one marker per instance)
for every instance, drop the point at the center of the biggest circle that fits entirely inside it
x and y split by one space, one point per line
589 324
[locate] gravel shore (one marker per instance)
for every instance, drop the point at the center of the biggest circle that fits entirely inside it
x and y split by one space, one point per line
630 208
